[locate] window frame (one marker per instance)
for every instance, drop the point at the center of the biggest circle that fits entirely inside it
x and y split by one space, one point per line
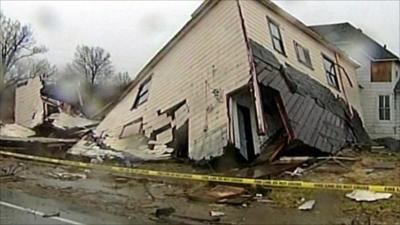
372 80
329 74
273 37
384 108
297 47
141 94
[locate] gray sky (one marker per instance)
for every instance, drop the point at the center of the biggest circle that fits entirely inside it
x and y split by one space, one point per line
133 31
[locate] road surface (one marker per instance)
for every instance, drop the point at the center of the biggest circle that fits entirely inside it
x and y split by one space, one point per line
20 208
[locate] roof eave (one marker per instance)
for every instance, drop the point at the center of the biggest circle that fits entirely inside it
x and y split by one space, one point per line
387 60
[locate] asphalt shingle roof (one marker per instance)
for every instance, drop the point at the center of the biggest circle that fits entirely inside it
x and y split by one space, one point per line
345 32
317 117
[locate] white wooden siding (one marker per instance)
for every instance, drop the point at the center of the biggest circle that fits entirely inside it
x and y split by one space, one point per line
29 104
256 15
369 99
214 51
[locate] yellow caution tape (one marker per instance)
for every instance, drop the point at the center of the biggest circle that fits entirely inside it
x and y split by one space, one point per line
220 179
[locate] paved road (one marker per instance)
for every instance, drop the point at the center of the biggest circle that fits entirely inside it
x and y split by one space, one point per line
19 208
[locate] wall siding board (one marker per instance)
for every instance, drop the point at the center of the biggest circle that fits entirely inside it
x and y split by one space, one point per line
213 50
256 14
28 104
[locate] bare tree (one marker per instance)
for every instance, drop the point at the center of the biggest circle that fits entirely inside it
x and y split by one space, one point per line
42 68
30 68
16 43
122 79
93 62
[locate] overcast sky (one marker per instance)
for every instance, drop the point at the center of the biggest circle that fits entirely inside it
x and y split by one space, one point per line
133 31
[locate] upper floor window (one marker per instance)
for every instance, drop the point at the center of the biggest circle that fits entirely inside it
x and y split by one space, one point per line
303 55
143 93
384 107
330 73
276 36
381 72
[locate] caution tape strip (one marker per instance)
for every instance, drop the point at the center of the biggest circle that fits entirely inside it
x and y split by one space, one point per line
212 178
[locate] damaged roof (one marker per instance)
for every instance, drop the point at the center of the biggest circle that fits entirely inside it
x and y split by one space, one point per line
346 32
316 117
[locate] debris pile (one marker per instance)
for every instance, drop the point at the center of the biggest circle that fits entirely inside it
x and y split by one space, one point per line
127 151
15 130
71 125
63 175
10 172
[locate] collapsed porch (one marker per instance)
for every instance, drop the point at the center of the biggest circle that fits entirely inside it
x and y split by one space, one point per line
297 110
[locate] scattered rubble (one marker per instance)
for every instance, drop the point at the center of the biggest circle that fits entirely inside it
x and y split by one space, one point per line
367 196
169 215
65 121
37 145
216 213
10 173
67 176
253 201
127 151
219 194
15 130
296 173
11 170
93 151
389 143
308 205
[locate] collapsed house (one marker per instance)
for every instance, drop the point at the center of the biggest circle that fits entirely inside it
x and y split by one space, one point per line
31 108
238 74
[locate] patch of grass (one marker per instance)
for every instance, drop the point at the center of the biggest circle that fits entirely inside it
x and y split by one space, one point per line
289 198
382 210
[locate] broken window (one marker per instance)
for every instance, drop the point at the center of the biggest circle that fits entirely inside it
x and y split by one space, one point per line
275 32
143 93
303 55
330 72
381 72
384 107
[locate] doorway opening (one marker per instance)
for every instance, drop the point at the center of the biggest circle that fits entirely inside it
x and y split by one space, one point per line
243 117
245 132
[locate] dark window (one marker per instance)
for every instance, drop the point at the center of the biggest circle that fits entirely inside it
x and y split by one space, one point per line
330 73
381 72
276 37
303 55
143 94
384 107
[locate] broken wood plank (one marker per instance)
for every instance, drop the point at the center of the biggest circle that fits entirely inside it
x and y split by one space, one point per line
339 158
165 137
43 140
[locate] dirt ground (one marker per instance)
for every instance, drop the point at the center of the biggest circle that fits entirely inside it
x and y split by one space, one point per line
139 197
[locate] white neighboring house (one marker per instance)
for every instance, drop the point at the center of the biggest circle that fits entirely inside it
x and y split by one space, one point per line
378 77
